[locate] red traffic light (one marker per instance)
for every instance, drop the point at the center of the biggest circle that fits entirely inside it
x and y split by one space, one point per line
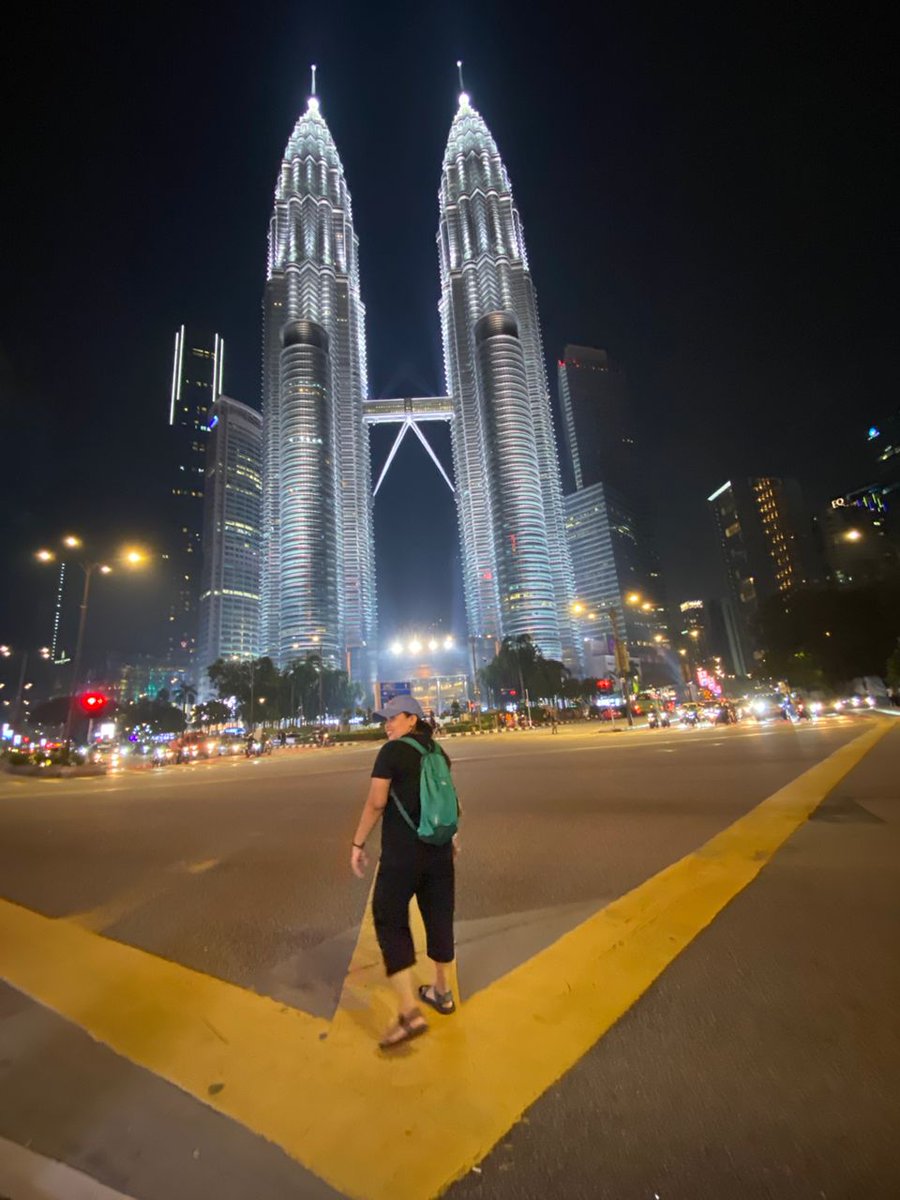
93 703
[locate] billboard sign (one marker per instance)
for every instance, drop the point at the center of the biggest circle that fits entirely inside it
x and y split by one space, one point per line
387 691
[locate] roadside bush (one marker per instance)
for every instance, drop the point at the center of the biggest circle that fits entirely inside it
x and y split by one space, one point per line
360 735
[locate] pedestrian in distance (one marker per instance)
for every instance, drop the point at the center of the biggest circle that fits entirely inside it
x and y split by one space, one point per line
412 795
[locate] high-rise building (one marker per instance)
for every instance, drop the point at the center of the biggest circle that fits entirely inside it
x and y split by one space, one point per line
859 537
232 516
767 547
885 440
597 424
860 530
197 372
517 573
695 629
613 554
615 595
318 569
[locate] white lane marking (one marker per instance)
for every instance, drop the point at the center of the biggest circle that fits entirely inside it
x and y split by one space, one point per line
198 868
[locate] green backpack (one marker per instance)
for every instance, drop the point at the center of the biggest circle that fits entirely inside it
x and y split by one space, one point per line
438 805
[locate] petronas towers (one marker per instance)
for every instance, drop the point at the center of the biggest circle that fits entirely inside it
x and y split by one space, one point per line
318 565
318 583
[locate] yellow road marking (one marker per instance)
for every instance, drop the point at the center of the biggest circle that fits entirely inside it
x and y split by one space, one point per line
367 1005
401 1126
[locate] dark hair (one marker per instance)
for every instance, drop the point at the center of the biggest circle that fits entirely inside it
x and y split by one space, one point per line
423 729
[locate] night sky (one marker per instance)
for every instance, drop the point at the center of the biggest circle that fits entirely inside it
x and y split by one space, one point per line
707 194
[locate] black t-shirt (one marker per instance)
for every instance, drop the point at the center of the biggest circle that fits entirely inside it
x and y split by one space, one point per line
402 765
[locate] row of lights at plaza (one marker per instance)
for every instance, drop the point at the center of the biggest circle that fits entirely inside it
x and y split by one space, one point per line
416 645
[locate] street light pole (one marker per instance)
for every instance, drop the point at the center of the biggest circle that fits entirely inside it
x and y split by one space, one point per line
17 710
621 653
132 557
88 569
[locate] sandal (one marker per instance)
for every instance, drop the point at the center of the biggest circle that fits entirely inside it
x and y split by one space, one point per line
405 1029
441 1002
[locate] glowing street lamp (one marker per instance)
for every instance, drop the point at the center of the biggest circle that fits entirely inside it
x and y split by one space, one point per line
852 535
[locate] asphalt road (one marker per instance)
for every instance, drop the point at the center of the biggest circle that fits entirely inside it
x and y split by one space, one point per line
764 1061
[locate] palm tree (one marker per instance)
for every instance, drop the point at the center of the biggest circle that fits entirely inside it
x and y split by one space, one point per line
185 694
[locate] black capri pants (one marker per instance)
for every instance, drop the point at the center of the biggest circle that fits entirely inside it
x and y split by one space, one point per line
430 877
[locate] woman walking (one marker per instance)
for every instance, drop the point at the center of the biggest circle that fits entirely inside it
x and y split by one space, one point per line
408 867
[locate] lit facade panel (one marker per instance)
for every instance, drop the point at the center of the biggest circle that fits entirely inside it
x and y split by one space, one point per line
484 270
318 587
524 576
232 511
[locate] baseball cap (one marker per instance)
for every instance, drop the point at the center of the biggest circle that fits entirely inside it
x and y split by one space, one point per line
400 704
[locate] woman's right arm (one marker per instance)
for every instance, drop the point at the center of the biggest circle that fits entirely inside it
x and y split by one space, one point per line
376 802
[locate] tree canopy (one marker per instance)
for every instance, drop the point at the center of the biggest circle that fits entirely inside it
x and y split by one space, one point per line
828 636
520 666
306 688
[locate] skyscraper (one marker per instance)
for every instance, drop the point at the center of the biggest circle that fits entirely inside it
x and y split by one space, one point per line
517 574
613 553
766 544
232 512
597 425
318 577
197 372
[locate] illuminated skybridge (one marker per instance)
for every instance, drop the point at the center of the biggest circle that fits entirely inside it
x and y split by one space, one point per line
409 413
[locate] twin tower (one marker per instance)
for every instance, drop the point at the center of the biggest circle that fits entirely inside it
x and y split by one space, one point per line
318 564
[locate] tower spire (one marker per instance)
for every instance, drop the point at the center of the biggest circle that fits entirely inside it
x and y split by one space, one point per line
313 70
463 94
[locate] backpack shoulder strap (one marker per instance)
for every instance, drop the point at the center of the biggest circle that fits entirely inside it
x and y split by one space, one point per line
416 745
402 811
396 799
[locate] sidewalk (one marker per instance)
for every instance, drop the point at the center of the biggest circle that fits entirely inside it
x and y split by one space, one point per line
25 1175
